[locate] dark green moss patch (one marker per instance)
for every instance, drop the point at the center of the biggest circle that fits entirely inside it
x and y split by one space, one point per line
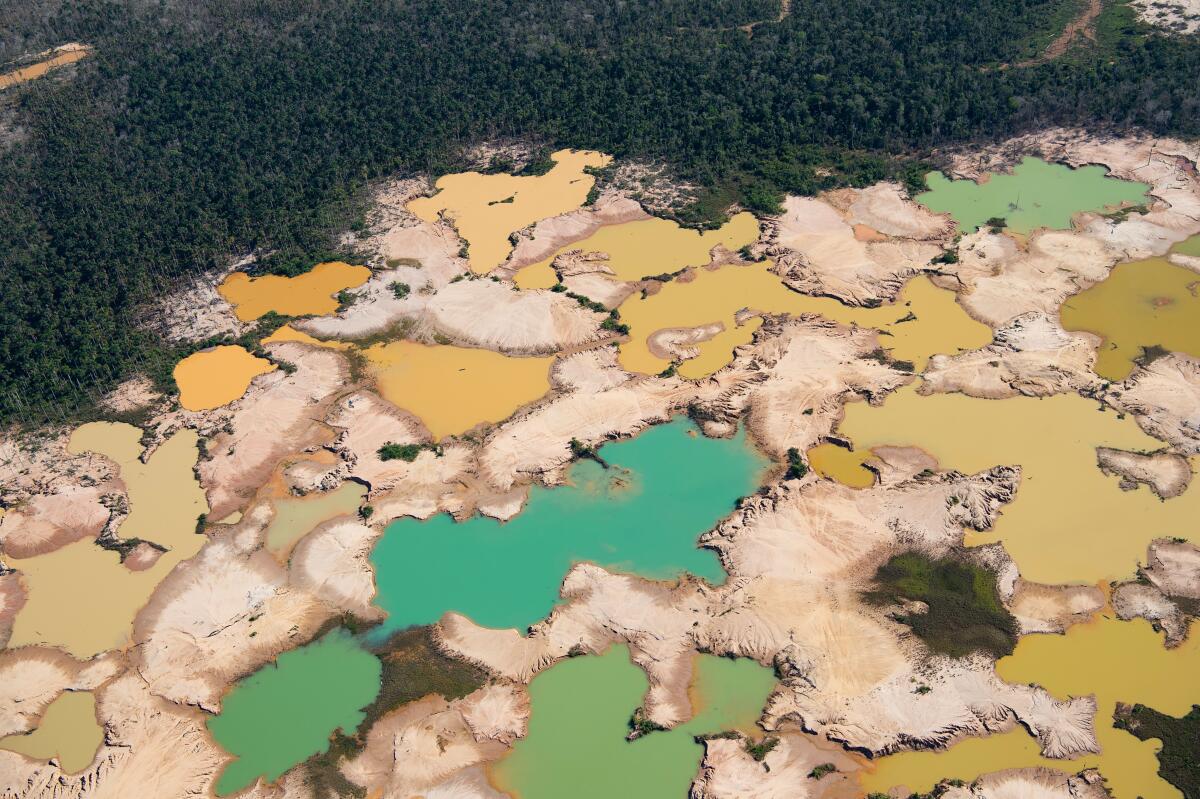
965 612
1179 760
412 668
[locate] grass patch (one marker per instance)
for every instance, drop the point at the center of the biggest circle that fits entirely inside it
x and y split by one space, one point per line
1179 760
965 612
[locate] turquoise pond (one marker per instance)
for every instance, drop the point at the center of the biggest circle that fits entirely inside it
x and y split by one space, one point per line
642 515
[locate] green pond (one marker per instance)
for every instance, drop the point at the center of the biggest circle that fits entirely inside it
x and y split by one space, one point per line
580 716
642 514
1035 195
285 712
1188 247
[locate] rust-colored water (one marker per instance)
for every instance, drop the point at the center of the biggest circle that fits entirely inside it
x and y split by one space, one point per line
310 293
217 376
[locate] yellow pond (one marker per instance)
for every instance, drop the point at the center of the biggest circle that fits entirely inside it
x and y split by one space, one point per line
310 293
68 54
67 732
841 464
289 333
1141 304
1118 662
80 597
1068 523
297 516
487 209
452 389
940 324
217 376
648 247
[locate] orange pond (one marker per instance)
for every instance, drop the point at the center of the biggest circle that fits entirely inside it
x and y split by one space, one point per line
486 209
67 54
217 376
313 292
452 389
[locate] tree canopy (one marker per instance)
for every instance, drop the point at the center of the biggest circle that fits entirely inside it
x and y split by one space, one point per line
201 131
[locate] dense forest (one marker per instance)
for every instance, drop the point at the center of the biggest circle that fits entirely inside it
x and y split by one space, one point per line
202 131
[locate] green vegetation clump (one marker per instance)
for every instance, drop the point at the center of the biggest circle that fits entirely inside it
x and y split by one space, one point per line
1179 759
402 452
797 468
399 290
392 451
822 770
965 613
880 355
582 451
996 224
613 325
761 749
587 302
641 725
539 164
